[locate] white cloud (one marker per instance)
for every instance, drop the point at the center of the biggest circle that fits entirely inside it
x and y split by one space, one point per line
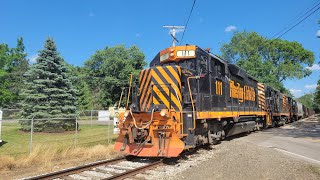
296 92
33 58
310 86
314 67
230 28
318 34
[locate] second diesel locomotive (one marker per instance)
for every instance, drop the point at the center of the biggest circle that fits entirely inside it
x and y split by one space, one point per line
188 97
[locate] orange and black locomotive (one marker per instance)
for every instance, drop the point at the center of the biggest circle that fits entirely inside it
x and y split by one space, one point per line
188 97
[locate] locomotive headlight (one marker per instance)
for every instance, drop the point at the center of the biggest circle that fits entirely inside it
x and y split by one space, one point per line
163 112
126 114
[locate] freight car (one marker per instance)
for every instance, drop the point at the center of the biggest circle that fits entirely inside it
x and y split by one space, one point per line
189 97
300 110
293 109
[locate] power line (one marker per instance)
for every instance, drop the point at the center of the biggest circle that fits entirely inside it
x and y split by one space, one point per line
297 17
301 20
186 25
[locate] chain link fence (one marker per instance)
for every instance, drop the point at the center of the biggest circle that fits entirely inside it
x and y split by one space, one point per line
92 127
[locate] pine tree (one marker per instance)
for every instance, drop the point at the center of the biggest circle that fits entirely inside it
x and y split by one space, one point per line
49 93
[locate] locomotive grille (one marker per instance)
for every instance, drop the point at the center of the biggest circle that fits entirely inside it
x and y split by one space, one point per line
160 85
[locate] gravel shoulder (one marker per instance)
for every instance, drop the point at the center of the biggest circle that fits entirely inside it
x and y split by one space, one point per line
250 156
241 160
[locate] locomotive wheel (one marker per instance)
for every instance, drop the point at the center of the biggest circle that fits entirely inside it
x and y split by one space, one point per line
265 125
274 124
129 157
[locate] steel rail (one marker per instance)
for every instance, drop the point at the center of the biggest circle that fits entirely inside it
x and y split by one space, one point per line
75 170
135 171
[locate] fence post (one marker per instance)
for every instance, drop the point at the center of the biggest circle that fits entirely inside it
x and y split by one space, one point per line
109 131
31 134
91 117
0 126
76 132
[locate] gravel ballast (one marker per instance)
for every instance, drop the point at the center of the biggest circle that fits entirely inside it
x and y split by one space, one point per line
236 159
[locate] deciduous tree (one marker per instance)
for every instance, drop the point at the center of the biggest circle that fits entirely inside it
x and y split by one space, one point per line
13 64
271 61
307 100
109 69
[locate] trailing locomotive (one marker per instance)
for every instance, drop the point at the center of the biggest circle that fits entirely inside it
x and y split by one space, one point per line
189 97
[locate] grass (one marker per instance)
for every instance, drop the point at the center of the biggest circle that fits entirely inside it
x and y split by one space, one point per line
53 149
17 142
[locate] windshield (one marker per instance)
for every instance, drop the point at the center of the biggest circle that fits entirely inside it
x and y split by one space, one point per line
189 64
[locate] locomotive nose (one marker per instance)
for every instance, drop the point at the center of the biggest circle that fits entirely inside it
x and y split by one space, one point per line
149 134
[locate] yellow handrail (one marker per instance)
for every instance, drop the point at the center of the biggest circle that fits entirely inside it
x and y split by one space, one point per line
135 123
129 91
120 98
193 110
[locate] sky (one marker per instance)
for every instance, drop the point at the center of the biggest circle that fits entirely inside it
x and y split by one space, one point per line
80 28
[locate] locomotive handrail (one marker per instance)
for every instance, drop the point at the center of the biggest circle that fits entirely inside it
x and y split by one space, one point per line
181 112
129 91
120 97
135 123
193 110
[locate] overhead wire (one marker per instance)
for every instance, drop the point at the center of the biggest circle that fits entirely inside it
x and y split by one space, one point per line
297 17
186 25
306 15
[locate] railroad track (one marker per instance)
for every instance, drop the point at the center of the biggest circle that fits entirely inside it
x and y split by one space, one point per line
118 168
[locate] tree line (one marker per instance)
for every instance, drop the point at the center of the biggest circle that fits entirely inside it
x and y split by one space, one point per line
51 87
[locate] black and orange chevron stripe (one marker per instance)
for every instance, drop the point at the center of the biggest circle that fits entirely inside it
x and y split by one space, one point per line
160 85
261 96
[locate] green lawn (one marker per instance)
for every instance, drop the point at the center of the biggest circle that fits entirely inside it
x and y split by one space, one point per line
17 142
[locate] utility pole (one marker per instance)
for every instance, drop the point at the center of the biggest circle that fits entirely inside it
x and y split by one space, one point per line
173 33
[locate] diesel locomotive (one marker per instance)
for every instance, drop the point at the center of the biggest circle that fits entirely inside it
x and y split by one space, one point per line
189 97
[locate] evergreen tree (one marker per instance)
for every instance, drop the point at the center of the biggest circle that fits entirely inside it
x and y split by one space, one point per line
49 93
